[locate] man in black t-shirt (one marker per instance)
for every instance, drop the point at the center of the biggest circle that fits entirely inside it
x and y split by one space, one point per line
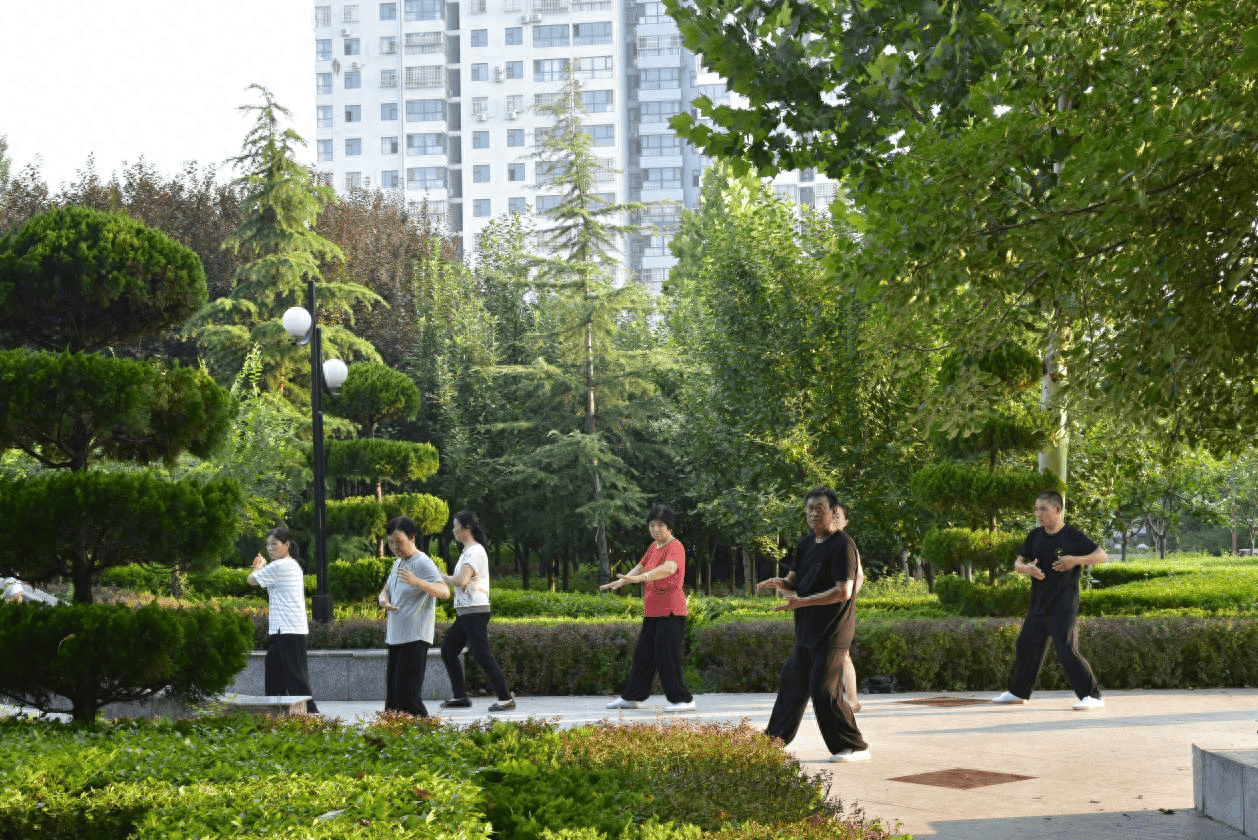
820 590
1053 555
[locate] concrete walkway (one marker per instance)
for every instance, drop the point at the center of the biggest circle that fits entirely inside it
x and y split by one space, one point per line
1122 772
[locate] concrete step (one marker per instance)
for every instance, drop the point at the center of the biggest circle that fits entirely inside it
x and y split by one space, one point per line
346 675
1225 787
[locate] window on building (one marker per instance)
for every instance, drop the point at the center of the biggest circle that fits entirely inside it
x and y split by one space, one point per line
513 36
515 137
388 77
388 111
601 135
323 49
425 177
584 34
323 82
388 11
654 112
426 143
480 72
659 78
388 179
353 79
353 146
353 46
515 172
388 45
652 13
548 202
480 139
515 69
662 178
480 105
550 69
551 35
806 197
807 176
424 110
323 16
429 76
423 9
480 173
349 14
514 104
479 38
424 43
481 207
517 206
353 180
477 7
656 145
593 67
323 116
597 101
657 45
324 149
353 113
388 145
717 94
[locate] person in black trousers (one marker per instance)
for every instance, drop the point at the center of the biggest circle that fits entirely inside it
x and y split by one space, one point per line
1053 556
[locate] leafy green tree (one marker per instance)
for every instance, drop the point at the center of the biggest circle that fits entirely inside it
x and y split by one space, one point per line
72 409
776 398
277 238
579 305
987 471
1072 174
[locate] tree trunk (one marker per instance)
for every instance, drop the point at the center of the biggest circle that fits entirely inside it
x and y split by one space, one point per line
1056 450
749 573
928 569
522 558
565 571
904 565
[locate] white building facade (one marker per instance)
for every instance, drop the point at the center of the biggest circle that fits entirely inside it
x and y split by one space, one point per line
436 100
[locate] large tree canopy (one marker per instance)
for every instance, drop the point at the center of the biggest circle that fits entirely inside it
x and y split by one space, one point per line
80 279
1089 186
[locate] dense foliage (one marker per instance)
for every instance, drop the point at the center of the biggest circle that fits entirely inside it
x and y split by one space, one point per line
523 781
78 658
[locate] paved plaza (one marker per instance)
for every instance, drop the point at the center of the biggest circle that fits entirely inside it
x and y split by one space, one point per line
947 769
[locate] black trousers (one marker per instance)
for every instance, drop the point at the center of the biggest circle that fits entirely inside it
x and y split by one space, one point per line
286 672
815 674
471 630
658 649
1063 630
404 678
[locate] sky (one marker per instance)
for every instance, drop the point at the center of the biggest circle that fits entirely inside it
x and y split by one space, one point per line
160 79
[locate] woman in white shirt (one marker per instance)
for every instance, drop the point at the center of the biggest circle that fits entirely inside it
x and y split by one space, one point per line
286 671
470 584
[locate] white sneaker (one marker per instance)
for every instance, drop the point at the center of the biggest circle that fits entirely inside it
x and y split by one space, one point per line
688 706
622 703
851 755
1089 703
1006 698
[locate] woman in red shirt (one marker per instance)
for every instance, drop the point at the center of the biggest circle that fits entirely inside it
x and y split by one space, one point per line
662 571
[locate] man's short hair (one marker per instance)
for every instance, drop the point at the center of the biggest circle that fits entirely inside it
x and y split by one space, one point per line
403 524
830 495
1053 498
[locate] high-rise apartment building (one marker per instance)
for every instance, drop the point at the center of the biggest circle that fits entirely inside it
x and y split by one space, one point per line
436 99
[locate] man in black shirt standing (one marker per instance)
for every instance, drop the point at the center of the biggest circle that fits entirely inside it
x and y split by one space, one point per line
820 591
1053 556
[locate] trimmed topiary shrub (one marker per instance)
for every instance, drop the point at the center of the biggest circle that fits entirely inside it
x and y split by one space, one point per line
77 658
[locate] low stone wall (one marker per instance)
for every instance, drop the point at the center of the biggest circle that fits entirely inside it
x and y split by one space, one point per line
346 675
1225 787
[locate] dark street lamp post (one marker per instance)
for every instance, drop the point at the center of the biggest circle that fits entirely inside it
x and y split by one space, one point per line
302 325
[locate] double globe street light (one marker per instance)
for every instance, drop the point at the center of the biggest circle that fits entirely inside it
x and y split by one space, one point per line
302 325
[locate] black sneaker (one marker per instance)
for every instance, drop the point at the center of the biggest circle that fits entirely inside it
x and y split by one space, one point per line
461 703
503 705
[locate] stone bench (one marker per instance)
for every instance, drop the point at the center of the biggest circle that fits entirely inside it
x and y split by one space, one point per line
346 675
275 705
1225 787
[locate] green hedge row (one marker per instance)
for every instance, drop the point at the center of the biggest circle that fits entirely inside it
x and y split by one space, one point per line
398 776
950 654
1208 593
